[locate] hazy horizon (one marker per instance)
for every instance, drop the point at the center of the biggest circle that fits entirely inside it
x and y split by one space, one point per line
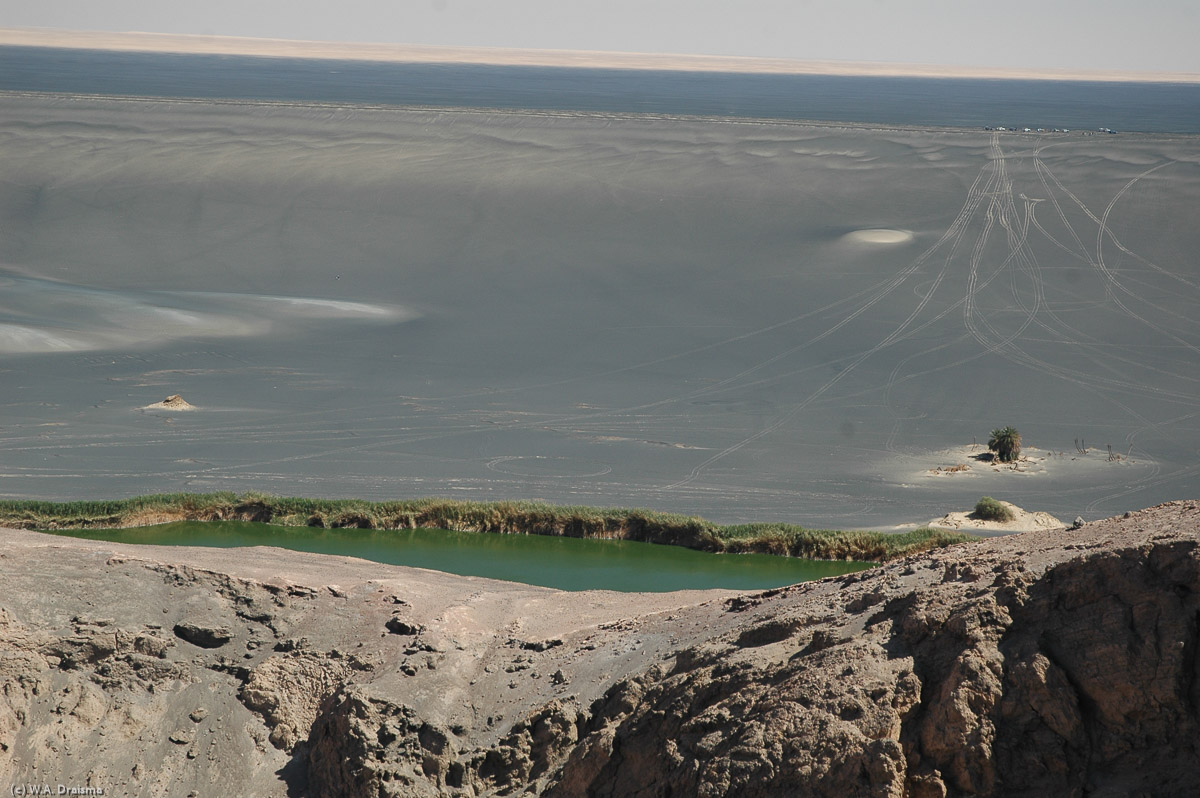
1119 35
220 45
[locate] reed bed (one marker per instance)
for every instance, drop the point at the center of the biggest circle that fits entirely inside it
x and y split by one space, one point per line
513 518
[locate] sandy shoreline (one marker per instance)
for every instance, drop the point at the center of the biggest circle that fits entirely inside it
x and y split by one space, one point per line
501 56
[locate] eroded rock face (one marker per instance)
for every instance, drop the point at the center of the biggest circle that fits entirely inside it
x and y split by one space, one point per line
993 679
1057 663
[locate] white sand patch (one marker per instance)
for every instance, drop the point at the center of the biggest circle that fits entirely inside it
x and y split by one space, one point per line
879 235
305 307
23 339
40 316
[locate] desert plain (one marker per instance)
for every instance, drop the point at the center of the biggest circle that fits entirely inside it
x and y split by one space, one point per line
737 319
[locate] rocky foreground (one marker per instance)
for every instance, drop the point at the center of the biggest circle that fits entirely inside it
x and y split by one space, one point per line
1050 663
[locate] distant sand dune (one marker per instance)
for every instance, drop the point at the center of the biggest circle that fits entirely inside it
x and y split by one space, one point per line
417 53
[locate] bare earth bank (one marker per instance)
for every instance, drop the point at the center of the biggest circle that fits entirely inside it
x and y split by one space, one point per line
1053 662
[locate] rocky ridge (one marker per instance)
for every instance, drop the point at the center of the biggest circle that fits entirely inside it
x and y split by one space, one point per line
1056 662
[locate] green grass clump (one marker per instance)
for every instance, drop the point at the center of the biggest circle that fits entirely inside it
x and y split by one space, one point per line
112 513
988 509
832 544
513 518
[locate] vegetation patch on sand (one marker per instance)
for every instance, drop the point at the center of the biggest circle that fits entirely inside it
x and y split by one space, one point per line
988 509
1006 443
514 518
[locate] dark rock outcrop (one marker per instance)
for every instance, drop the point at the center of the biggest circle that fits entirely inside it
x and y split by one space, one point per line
202 635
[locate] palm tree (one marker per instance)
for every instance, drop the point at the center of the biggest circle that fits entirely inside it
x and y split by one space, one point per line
1006 443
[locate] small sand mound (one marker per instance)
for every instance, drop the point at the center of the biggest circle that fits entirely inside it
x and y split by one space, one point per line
879 235
1023 521
172 402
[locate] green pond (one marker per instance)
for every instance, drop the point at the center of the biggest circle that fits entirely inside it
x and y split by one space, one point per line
563 563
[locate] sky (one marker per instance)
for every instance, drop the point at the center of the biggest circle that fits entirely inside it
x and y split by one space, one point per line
1143 35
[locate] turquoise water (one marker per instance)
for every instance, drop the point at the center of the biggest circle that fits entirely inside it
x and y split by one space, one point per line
563 563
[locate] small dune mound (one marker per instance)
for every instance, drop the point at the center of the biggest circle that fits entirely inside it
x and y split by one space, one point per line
879 236
172 402
1022 521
